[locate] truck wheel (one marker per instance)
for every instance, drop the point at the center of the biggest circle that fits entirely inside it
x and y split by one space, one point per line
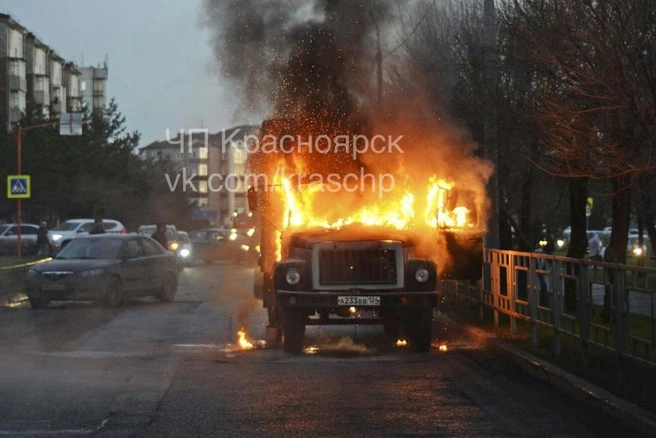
258 284
293 328
422 331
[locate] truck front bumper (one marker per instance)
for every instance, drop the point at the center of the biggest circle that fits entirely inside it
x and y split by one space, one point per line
385 299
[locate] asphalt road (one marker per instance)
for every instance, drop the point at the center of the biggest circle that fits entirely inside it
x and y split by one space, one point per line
174 370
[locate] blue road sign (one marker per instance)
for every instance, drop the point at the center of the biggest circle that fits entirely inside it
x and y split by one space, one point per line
18 186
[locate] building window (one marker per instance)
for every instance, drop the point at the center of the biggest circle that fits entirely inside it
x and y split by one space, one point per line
202 186
202 153
202 169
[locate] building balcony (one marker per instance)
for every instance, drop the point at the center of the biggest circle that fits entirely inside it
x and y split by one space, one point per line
15 114
17 83
100 73
41 97
58 106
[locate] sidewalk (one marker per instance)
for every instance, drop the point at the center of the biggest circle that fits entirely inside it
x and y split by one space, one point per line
575 387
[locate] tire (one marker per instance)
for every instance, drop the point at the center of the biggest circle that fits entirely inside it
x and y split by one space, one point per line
293 329
169 289
258 284
422 331
38 302
114 292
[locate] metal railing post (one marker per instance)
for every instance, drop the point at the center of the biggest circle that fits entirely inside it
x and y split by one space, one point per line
584 311
512 293
495 270
533 298
619 290
557 309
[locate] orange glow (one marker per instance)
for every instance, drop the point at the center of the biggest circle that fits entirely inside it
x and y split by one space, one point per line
401 343
310 206
443 348
243 343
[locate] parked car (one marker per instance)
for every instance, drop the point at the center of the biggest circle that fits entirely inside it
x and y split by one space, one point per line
105 267
9 239
68 230
185 250
634 248
209 244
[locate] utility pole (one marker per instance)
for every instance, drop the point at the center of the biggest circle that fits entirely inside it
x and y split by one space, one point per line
490 117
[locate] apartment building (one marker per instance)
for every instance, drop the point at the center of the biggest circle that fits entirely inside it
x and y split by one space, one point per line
37 73
13 81
219 165
93 86
33 75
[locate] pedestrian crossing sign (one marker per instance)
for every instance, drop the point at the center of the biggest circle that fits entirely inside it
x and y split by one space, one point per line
18 186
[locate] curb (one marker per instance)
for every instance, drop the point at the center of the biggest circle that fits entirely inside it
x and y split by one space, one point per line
574 386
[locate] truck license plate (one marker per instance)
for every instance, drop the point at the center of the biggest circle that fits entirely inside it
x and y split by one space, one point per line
358 301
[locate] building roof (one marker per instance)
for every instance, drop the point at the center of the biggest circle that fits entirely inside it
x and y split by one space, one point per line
11 22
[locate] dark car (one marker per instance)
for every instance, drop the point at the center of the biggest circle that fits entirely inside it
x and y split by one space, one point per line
210 244
105 267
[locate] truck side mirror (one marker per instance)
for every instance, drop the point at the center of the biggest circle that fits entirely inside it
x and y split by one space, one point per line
252 199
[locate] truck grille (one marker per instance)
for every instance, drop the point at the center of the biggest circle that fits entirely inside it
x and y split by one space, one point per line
354 266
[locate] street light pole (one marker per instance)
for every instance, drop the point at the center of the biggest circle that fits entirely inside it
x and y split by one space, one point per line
19 140
19 136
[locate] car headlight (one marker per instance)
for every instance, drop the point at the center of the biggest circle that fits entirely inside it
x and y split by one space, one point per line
33 273
184 252
560 243
637 251
56 237
91 273
422 275
292 276
173 246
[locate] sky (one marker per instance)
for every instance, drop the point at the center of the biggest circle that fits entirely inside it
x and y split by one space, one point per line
162 73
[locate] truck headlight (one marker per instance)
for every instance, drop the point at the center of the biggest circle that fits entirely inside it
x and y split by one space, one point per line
422 275
292 276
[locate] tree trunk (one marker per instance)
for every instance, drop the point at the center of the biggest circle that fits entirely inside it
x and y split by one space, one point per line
619 237
578 242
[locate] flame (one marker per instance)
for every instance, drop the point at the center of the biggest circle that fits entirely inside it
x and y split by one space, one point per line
309 206
443 348
243 343
401 343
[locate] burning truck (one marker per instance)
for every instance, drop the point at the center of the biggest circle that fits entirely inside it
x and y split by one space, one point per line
330 255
